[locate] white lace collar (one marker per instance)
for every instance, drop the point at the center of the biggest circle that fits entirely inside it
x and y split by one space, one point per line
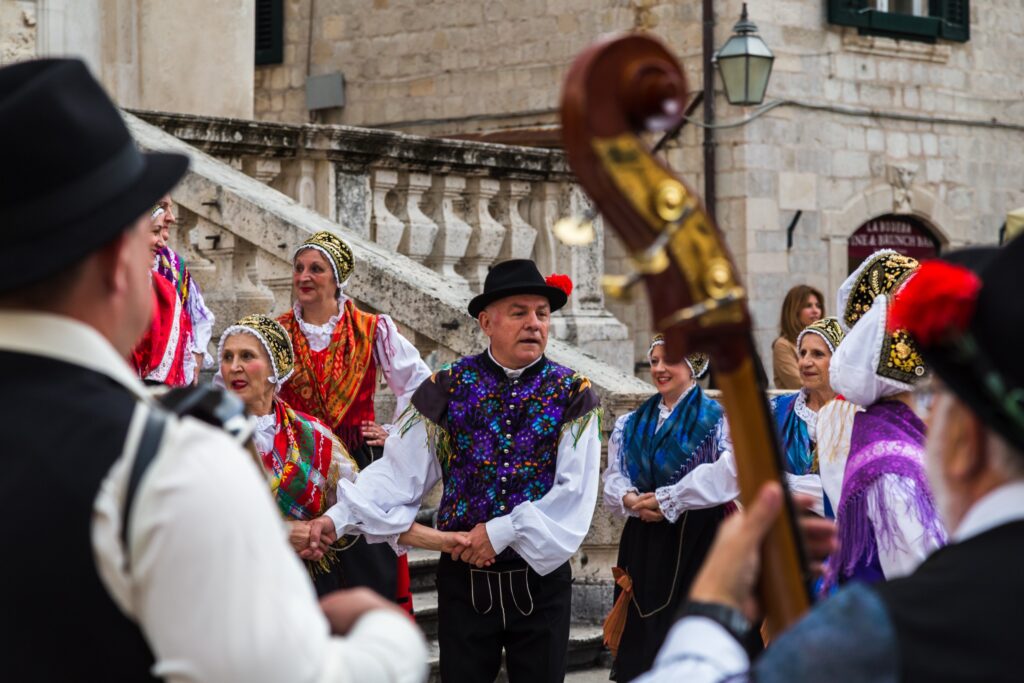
266 430
319 336
809 416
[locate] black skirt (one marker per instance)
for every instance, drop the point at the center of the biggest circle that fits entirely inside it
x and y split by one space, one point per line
662 560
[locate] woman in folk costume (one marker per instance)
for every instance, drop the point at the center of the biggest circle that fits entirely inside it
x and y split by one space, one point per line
886 515
653 454
796 414
164 352
302 458
170 265
338 349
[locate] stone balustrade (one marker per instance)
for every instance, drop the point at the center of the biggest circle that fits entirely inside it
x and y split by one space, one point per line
454 206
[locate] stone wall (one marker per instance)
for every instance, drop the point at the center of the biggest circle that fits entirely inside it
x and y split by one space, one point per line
17 30
449 65
190 56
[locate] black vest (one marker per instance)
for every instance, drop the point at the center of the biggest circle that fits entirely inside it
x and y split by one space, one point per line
959 616
62 427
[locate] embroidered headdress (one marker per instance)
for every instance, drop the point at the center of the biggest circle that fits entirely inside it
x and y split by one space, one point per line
698 362
875 362
881 273
828 329
335 250
274 339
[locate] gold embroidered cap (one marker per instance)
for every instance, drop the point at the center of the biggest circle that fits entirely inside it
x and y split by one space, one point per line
828 329
698 362
337 252
881 273
274 338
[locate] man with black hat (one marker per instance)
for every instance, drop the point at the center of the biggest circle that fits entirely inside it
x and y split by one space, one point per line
176 588
515 439
957 617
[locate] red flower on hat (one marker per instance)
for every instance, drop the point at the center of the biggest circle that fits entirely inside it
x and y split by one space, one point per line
560 281
936 301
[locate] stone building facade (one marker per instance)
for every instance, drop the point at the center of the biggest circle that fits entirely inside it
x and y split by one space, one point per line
870 127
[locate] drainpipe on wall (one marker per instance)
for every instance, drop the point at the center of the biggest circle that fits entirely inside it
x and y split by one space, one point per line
708 41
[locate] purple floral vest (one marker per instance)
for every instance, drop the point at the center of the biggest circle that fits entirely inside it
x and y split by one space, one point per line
497 438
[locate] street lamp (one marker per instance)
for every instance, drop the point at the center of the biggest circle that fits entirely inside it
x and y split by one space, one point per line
745 63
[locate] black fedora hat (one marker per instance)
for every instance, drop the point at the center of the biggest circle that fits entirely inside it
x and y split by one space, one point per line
968 327
72 178
517 276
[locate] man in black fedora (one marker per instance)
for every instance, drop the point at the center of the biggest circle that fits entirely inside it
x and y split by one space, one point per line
957 617
175 588
515 438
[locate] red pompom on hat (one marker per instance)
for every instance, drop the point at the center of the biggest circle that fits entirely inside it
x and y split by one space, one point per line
561 281
936 302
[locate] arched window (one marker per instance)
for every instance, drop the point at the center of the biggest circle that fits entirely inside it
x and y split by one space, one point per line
908 235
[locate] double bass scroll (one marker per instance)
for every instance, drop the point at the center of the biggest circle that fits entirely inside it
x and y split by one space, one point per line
617 90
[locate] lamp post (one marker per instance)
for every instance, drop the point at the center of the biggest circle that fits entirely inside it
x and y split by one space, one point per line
745 63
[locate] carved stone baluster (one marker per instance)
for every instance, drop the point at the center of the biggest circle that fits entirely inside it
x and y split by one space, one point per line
234 290
276 275
218 247
251 295
184 241
488 234
453 234
386 227
585 264
547 205
420 231
521 235
264 170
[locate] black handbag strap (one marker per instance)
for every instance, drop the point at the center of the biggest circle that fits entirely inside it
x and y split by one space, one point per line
149 445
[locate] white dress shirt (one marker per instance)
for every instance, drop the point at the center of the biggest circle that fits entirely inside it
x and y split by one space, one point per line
399 360
386 496
705 486
213 584
698 650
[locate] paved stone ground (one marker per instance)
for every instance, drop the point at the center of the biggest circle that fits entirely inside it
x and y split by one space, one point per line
587 676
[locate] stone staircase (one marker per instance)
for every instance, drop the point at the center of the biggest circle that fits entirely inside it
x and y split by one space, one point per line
587 660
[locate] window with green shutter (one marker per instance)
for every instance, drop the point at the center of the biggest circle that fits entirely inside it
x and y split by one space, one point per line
269 31
923 20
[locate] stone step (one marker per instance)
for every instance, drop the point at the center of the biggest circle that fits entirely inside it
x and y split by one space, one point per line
422 569
585 655
425 606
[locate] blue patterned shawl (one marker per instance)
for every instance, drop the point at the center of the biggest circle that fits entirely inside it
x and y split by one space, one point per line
653 457
793 435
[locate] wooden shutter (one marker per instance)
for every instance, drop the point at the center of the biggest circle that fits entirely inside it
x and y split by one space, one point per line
269 31
849 13
955 16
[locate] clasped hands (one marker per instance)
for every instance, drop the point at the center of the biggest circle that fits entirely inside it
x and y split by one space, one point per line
311 539
645 505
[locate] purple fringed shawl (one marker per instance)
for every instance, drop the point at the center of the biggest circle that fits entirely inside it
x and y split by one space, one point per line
888 438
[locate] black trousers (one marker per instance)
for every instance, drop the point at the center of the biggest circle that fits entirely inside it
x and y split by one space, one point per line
505 606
